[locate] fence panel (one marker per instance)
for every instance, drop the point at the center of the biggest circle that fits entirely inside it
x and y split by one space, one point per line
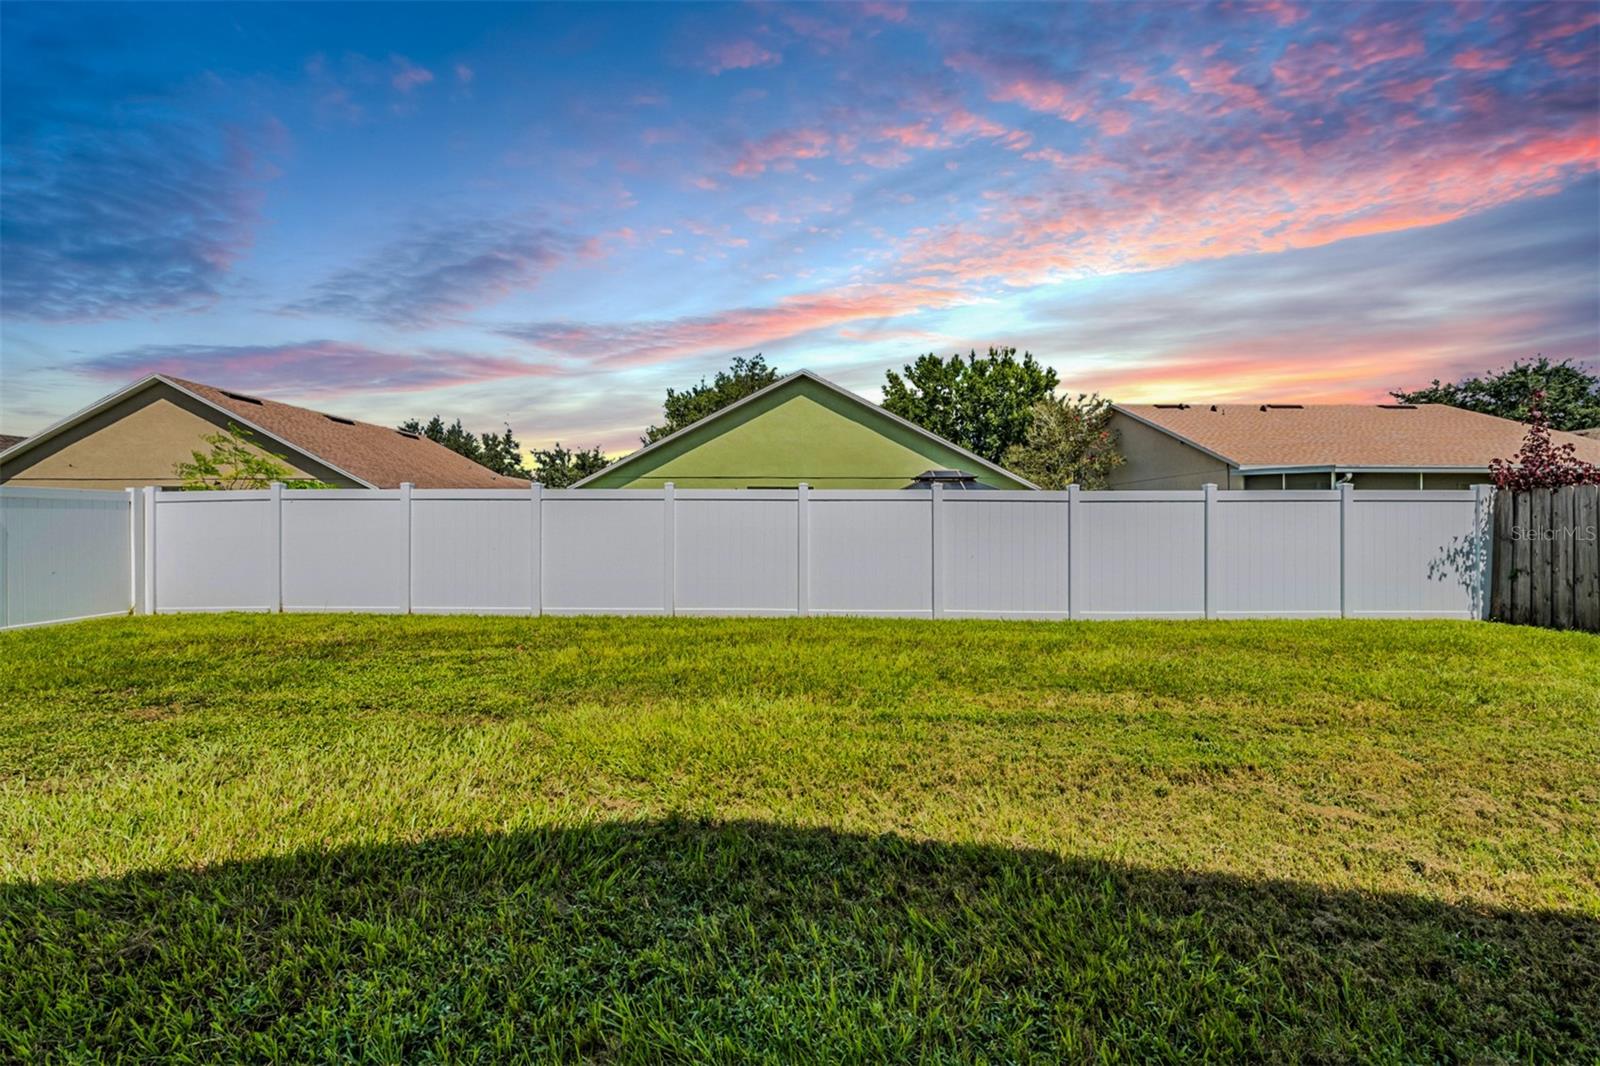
1414 555
472 552
1547 557
1004 554
1139 555
871 552
736 552
1276 554
214 551
346 550
65 554
992 554
604 552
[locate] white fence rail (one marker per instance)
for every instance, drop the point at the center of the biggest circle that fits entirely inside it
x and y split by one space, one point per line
66 554
1072 554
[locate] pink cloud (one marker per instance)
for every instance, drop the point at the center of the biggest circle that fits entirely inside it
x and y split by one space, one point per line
780 150
739 55
644 343
1323 67
886 11
1478 60
408 75
913 135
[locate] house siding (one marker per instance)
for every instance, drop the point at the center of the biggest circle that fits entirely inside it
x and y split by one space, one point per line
803 432
1156 460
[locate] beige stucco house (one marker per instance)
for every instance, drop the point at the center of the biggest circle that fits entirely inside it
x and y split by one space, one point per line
1314 446
136 436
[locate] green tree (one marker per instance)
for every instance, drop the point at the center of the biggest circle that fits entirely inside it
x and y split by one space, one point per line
235 463
503 455
1069 442
499 452
1571 393
559 467
982 403
688 406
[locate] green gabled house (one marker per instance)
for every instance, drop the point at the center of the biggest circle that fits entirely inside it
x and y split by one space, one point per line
801 428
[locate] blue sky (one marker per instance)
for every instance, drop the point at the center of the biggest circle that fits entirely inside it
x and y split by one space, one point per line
547 215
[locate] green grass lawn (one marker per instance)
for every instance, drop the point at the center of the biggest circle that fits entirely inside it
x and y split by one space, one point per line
635 840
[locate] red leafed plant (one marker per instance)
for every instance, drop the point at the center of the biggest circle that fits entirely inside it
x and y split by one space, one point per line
1542 464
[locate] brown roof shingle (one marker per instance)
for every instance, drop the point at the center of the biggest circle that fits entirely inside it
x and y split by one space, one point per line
7 440
379 455
1348 435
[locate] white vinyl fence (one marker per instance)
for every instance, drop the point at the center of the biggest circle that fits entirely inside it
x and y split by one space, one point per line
67 554
1072 554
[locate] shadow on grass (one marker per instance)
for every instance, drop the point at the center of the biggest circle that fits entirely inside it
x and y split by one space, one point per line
685 940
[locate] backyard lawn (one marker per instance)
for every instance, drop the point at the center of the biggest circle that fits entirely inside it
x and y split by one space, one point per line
412 839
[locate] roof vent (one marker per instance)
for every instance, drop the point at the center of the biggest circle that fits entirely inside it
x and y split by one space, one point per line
952 480
1283 407
243 397
1176 406
341 421
408 433
1398 406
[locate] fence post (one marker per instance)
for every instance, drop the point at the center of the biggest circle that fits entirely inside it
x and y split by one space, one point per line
802 550
276 488
1074 565
1483 550
669 552
150 549
1347 502
937 512
405 503
1211 580
134 556
536 563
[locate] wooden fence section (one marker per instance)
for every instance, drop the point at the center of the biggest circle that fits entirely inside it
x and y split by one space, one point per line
1547 558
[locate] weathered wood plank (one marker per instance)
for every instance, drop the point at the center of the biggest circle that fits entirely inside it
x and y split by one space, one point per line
1586 557
1562 569
1541 541
1522 561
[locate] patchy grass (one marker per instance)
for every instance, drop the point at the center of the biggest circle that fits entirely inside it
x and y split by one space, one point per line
327 837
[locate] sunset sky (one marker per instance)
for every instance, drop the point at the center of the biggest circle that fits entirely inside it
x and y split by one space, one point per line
547 215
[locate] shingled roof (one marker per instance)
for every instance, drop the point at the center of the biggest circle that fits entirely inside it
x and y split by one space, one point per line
1347 436
374 456
382 456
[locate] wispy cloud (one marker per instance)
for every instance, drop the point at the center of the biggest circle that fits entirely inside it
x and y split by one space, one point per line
126 219
314 367
739 55
442 271
644 343
408 75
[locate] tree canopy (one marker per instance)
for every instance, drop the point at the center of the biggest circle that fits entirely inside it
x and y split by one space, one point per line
499 452
983 403
1069 442
686 406
1571 393
557 467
